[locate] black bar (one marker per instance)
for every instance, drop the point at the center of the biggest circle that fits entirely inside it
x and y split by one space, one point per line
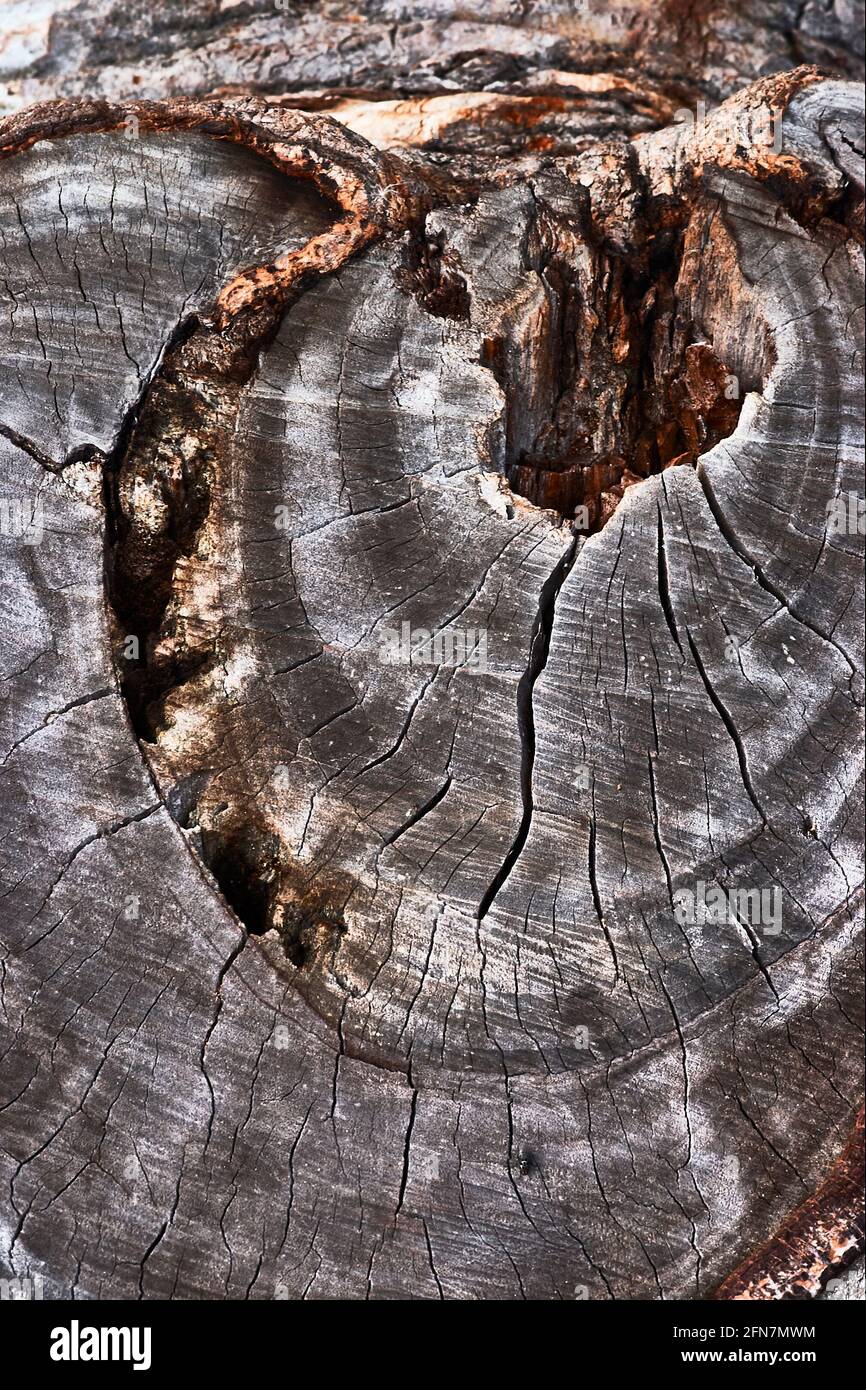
599 1342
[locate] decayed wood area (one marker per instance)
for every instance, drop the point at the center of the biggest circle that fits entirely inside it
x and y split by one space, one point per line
432 528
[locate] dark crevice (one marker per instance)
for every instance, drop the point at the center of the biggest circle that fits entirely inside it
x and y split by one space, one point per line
160 482
407 1148
430 805
137 601
634 386
539 650
245 867
268 895
664 580
433 274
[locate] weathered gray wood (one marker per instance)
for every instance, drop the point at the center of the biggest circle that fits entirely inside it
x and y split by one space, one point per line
331 975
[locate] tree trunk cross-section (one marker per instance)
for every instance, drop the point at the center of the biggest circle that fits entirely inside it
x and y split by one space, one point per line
431 652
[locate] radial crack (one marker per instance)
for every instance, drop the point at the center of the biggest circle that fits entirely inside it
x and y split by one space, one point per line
539 650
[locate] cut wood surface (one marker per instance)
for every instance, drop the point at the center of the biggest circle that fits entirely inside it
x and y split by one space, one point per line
431 524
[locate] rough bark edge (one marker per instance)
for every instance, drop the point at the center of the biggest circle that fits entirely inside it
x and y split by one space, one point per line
820 1238
367 186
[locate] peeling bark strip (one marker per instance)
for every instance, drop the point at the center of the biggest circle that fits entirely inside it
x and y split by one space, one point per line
430 837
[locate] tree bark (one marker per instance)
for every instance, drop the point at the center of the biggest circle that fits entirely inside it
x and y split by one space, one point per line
432 652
